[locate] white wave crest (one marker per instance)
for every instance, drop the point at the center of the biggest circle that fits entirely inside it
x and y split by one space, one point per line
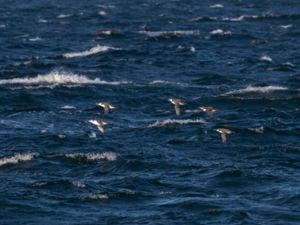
204 18
95 50
170 33
266 58
286 26
220 32
68 107
96 197
61 16
42 21
57 78
216 6
174 121
250 89
17 158
35 39
78 184
94 156
102 13
235 19
105 32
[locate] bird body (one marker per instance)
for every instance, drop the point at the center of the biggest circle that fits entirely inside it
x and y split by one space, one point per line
224 132
106 106
99 124
208 109
177 103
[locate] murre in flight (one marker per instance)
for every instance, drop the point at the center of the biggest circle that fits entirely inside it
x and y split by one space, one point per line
208 109
106 106
99 123
224 132
177 103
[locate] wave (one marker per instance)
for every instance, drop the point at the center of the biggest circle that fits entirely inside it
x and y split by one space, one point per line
220 32
235 19
68 107
106 32
154 34
249 89
174 121
204 19
96 197
57 78
286 26
266 58
95 50
35 39
258 17
17 158
165 82
42 21
216 6
61 16
93 156
102 13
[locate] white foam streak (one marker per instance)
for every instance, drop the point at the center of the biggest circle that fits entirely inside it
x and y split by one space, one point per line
42 21
286 26
250 89
68 107
216 6
220 32
174 33
176 121
63 16
17 158
92 156
240 18
266 58
35 39
92 51
97 196
56 78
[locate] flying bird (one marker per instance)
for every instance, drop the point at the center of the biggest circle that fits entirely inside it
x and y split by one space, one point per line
208 109
177 103
99 124
224 132
106 106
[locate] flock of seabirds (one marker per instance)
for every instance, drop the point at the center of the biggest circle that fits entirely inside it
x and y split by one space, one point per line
176 102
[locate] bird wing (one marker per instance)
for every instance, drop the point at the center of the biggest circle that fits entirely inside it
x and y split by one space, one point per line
100 128
177 109
224 137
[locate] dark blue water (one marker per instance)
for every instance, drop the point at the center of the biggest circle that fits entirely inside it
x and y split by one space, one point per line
59 58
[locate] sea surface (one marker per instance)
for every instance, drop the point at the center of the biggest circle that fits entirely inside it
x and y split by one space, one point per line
58 58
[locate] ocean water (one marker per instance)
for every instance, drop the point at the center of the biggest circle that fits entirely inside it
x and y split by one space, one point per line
59 58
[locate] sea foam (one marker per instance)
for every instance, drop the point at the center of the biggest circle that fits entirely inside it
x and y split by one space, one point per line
266 58
95 50
17 158
176 121
170 33
220 32
93 156
57 78
249 89
216 6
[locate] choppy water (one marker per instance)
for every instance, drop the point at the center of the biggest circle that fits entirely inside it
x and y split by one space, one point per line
58 58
